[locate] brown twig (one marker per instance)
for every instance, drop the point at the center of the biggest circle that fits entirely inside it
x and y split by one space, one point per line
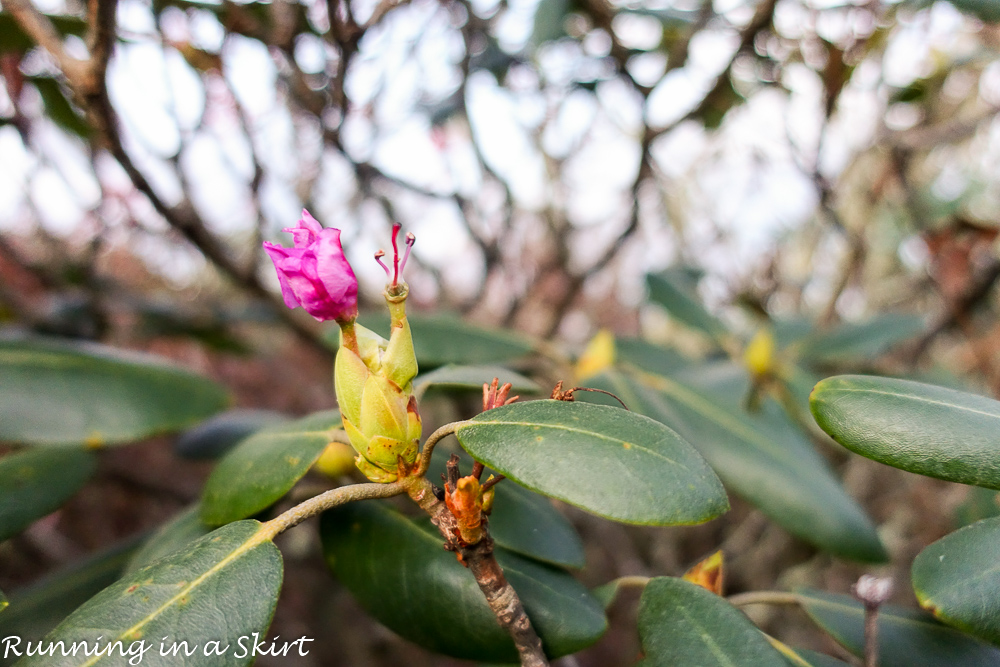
500 595
325 501
980 288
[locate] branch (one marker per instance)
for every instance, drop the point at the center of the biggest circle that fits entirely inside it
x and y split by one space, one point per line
433 439
40 29
763 597
329 500
500 595
101 42
977 291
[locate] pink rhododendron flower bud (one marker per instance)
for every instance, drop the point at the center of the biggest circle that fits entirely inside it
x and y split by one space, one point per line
315 274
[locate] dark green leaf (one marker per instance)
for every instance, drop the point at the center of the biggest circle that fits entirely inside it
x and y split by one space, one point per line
918 427
612 462
176 534
681 623
527 523
3 601
35 610
472 378
61 393
761 457
398 571
446 339
958 579
861 340
215 436
264 467
221 588
674 292
35 482
787 332
523 522
906 638
979 504
649 357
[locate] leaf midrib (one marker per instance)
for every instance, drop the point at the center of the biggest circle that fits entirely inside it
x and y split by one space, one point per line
922 399
563 427
252 541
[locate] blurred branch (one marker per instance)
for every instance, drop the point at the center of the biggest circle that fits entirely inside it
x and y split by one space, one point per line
40 28
88 81
978 290
947 132
579 280
761 20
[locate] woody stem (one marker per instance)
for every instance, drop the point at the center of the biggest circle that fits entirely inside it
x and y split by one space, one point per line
500 595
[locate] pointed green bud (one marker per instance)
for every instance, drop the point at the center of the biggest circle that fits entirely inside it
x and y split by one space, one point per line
400 361
374 383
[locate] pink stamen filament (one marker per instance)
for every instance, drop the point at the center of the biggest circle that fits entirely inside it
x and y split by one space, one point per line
378 258
410 240
395 253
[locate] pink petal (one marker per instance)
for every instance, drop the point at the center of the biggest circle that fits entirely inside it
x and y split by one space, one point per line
335 273
305 233
283 263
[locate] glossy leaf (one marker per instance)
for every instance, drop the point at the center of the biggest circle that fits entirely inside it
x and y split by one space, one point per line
649 357
174 535
472 378
672 290
446 339
761 457
36 482
38 608
527 523
958 579
852 341
612 462
681 623
918 427
264 467
398 571
221 588
522 521
69 394
217 435
906 638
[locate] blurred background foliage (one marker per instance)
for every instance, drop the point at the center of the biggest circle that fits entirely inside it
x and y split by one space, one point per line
747 196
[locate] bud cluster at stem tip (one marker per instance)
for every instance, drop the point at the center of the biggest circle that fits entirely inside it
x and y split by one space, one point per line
373 376
374 382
